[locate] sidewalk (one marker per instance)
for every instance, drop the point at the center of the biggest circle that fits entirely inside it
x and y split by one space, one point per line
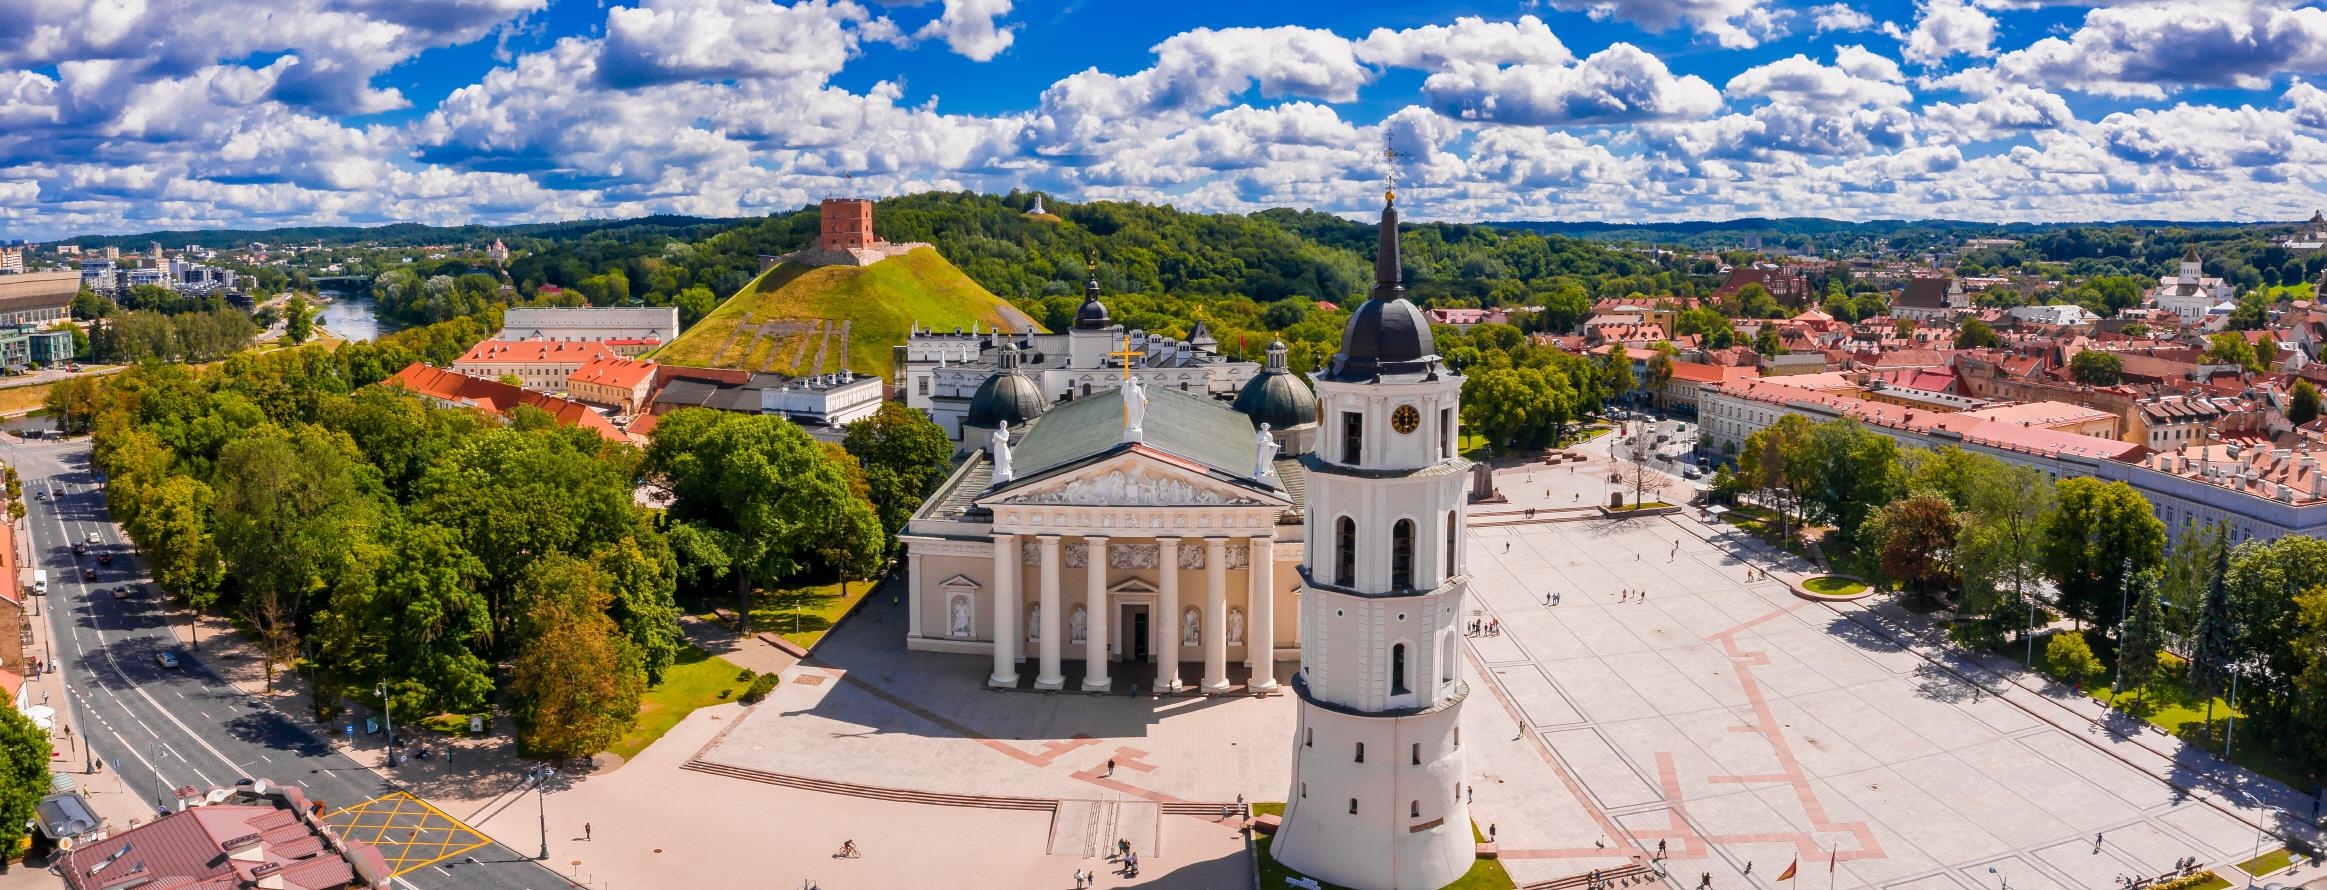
2134 742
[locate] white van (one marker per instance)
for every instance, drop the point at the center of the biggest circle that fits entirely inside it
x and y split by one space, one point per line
40 582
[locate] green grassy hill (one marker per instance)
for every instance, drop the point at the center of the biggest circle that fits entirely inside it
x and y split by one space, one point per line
788 316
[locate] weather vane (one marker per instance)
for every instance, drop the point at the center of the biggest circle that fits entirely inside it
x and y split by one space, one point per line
1390 157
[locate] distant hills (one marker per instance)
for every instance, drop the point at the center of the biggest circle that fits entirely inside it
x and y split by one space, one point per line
407 234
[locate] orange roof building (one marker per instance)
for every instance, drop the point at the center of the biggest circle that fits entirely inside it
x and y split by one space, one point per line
494 397
539 365
622 383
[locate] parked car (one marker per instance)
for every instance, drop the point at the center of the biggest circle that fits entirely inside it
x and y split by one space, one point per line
168 659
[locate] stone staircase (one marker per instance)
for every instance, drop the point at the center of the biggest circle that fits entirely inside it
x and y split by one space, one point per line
1626 876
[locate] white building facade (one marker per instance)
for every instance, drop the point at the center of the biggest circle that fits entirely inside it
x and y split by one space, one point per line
1377 798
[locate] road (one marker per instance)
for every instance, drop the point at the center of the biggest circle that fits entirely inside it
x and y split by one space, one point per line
160 728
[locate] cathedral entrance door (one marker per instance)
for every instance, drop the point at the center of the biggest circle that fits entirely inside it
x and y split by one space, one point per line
1137 632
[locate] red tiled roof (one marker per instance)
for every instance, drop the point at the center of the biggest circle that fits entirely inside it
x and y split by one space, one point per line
621 373
498 398
1700 372
533 352
190 850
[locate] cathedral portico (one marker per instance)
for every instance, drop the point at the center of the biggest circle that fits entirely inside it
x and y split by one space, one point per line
1073 541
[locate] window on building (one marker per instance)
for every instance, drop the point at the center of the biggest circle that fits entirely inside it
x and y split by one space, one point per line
1398 685
924 385
1309 737
1402 555
1414 810
1345 552
1446 432
1352 436
1353 806
1417 754
1361 752
1458 738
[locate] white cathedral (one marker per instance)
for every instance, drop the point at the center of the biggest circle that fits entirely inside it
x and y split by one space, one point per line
1155 539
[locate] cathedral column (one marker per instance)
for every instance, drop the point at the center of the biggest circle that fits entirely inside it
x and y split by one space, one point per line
1260 614
1167 648
1215 614
1049 677
913 582
1095 677
1006 628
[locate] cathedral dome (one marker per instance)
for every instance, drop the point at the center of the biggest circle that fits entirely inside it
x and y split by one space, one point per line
1275 398
1387 334
1009 395
1093 314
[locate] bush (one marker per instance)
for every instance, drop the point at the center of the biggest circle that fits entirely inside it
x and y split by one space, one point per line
2071 658
759 688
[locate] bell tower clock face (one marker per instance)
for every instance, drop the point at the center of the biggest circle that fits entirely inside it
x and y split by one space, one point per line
1405 419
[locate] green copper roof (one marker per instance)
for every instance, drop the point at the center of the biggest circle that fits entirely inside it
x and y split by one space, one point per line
1183 424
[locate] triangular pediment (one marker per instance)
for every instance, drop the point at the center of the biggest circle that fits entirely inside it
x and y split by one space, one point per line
1132 585
1135 478
959 581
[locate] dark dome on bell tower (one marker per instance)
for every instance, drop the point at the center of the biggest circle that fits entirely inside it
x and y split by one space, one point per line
1387 334
1093 314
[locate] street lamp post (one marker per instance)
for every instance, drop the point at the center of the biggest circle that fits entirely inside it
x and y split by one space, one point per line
388 721
2001 883
541 776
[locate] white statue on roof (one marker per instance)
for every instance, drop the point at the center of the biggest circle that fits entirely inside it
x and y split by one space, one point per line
1001 448
1264 453
1134 409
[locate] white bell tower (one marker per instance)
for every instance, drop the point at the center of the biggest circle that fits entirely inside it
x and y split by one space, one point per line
1376 801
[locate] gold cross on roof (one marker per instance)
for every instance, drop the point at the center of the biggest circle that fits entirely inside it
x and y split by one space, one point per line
1127 355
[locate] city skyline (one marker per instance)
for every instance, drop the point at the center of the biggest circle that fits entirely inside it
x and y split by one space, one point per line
157 114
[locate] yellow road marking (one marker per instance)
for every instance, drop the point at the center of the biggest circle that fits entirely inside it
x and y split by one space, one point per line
401 856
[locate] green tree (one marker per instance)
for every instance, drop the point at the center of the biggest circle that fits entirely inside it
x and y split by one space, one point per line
1766 341
2102 536
1851 471
1775 463
2230 348
1660 368
1714 329
904 457
694 303
2072 658
2142 637
756 489
576 682
24 774
1615 372
1918 537
2302 403
2092 367
298 320
173 526
1996 549
411 617
1975 334
88 305
2200 564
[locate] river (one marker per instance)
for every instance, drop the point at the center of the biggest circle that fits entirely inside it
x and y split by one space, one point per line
353 317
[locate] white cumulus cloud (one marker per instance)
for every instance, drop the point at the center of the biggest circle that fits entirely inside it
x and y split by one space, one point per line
1620 84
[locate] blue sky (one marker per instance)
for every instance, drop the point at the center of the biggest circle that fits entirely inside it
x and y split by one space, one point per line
123 115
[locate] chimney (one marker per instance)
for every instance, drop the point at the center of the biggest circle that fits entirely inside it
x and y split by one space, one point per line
268 876
244 848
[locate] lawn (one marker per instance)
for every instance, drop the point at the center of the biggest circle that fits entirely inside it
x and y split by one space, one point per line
2268 863
883 301
1834 585
17 399
697 680
1485 874
2169 702
802 614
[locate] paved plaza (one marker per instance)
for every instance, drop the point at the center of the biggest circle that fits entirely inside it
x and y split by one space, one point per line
1739 726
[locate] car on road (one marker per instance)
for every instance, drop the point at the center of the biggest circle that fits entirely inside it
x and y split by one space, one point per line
1692 473
41 494
94 539
88 574
121 593
80 548
105 559
167 659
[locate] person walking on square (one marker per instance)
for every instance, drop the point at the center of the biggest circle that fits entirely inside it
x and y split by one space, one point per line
1466 793
1110 767
1660 849
1749 866
585 831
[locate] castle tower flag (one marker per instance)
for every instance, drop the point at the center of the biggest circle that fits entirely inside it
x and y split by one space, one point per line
1376 801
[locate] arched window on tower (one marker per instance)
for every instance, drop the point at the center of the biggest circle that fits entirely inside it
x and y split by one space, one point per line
1402 555
1398 684
1345 552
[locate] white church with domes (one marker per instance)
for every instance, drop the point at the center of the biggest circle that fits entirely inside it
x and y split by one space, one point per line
1152 539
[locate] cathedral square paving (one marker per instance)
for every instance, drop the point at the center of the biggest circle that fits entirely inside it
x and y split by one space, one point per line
1741 726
